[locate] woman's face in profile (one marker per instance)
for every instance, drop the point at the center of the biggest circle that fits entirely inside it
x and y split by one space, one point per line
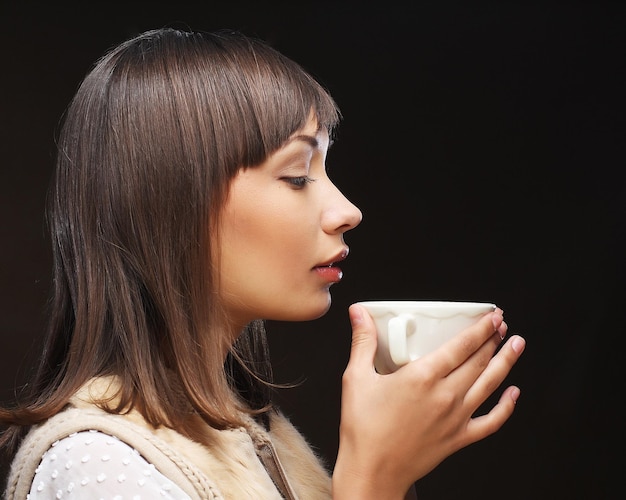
281 234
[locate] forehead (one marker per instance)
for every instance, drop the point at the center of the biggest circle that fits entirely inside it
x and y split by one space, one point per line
311 127
311 133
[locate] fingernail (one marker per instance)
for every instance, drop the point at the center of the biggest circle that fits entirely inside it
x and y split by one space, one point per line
518 344
497 319
502 329
515 394
356 315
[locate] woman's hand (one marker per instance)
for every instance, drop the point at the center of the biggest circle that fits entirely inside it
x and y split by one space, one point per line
396 428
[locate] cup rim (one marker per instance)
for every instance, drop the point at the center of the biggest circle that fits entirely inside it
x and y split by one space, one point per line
426 305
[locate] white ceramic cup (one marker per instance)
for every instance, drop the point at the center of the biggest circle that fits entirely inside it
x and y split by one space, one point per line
409 329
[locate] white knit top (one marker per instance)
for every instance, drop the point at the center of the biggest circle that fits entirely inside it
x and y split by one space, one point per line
92 464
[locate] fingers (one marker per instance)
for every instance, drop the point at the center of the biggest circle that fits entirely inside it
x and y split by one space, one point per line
480 427
364 340
467 373
454 353
495 372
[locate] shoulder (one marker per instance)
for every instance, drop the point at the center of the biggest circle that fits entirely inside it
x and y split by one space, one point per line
63 428
88 464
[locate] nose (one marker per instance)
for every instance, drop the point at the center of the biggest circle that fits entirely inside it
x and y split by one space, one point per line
340 214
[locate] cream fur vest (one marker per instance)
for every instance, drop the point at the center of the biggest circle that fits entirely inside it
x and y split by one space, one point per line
234 466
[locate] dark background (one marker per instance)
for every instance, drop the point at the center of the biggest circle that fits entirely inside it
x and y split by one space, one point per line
484 143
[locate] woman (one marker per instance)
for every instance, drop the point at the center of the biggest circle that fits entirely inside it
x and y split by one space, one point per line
190 200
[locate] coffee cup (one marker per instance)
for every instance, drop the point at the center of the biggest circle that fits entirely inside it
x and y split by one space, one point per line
409 329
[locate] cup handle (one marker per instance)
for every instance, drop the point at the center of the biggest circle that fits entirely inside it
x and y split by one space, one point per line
397 329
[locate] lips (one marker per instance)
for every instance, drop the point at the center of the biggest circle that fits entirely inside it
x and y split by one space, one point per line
329 271
338 258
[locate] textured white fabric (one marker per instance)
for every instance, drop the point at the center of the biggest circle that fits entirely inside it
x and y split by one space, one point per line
94 465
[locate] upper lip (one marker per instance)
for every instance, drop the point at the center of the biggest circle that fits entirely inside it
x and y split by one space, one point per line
337 258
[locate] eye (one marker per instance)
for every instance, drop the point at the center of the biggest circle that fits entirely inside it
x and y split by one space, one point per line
298 182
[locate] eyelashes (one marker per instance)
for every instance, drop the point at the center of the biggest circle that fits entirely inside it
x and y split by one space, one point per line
298 182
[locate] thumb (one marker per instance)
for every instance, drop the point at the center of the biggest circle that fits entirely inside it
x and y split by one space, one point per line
364 339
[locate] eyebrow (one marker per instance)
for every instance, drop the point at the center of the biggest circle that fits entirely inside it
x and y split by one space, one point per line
309 139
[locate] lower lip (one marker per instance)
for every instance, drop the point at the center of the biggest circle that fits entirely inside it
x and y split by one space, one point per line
330 274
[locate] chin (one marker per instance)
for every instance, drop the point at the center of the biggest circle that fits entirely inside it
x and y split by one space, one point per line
313 310
323 309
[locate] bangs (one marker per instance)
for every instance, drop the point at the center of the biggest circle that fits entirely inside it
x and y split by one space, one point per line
250 98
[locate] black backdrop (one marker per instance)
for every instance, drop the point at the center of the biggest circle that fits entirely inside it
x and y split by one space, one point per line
484 143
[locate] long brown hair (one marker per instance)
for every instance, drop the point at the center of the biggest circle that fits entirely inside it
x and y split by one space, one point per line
148 146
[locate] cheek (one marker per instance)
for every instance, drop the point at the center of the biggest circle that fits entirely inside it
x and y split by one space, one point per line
281 235
263 233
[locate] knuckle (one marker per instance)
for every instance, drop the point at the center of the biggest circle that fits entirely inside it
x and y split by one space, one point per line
359 339
446 400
